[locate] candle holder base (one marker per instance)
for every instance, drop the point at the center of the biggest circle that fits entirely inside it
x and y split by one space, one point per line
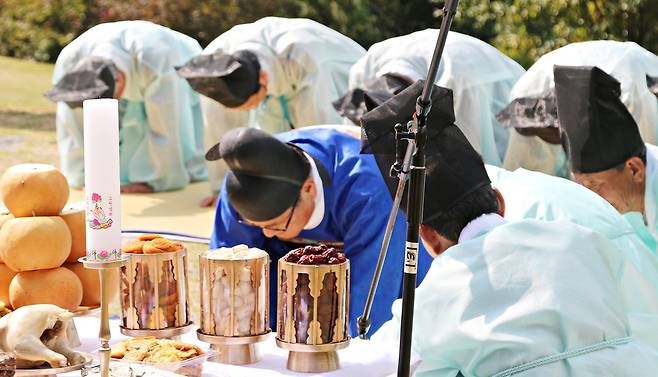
234 350
169 333
104 335
308 358
99 265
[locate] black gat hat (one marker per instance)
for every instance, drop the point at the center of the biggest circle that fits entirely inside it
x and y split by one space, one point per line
229 79
453 168
93 77
265 174
598 131
356 102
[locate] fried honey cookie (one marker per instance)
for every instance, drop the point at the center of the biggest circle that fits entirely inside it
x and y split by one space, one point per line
161 245
135 247
151 350
149 236
134 349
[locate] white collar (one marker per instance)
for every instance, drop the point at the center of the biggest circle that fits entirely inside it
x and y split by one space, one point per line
480 225
318 210
650 174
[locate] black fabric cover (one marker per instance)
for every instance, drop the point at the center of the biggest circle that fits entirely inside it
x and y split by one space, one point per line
453 168
228 79
93 77
598 130
354 103
265 174
379 122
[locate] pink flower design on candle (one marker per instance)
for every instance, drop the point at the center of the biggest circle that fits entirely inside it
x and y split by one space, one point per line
96 214
103 254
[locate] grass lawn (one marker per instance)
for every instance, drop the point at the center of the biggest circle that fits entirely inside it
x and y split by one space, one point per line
27 119
23 85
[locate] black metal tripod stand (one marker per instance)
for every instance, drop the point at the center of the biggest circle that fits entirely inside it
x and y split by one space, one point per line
410 166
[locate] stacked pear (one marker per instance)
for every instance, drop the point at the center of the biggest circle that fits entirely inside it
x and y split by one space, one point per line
41 241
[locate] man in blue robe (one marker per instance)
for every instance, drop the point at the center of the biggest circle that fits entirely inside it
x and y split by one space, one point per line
311 186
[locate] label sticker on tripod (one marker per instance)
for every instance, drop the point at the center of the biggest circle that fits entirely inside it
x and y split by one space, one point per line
411 258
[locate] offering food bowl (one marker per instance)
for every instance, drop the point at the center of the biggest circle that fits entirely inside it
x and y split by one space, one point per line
234 302
313 308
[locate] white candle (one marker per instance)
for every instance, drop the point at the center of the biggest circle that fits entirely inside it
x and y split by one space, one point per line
102 180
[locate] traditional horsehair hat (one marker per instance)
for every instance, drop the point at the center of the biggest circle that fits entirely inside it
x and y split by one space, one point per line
229 79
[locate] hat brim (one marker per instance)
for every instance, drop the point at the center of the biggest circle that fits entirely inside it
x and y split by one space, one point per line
216 89
213 153
201 69
260 198
550 135
528 112
357 102
222 77
350 105
71 96
85 83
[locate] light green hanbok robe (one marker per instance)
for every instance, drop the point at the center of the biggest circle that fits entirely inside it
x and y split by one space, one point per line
161 129
529 299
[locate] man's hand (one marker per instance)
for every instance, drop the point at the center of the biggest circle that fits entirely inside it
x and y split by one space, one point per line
209 201
136 188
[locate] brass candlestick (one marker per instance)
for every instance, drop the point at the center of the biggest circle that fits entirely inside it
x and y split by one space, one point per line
104 335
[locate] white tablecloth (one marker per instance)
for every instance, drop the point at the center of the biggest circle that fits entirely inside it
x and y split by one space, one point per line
361 358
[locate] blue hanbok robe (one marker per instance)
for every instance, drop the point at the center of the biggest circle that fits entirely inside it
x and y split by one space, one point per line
357 205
